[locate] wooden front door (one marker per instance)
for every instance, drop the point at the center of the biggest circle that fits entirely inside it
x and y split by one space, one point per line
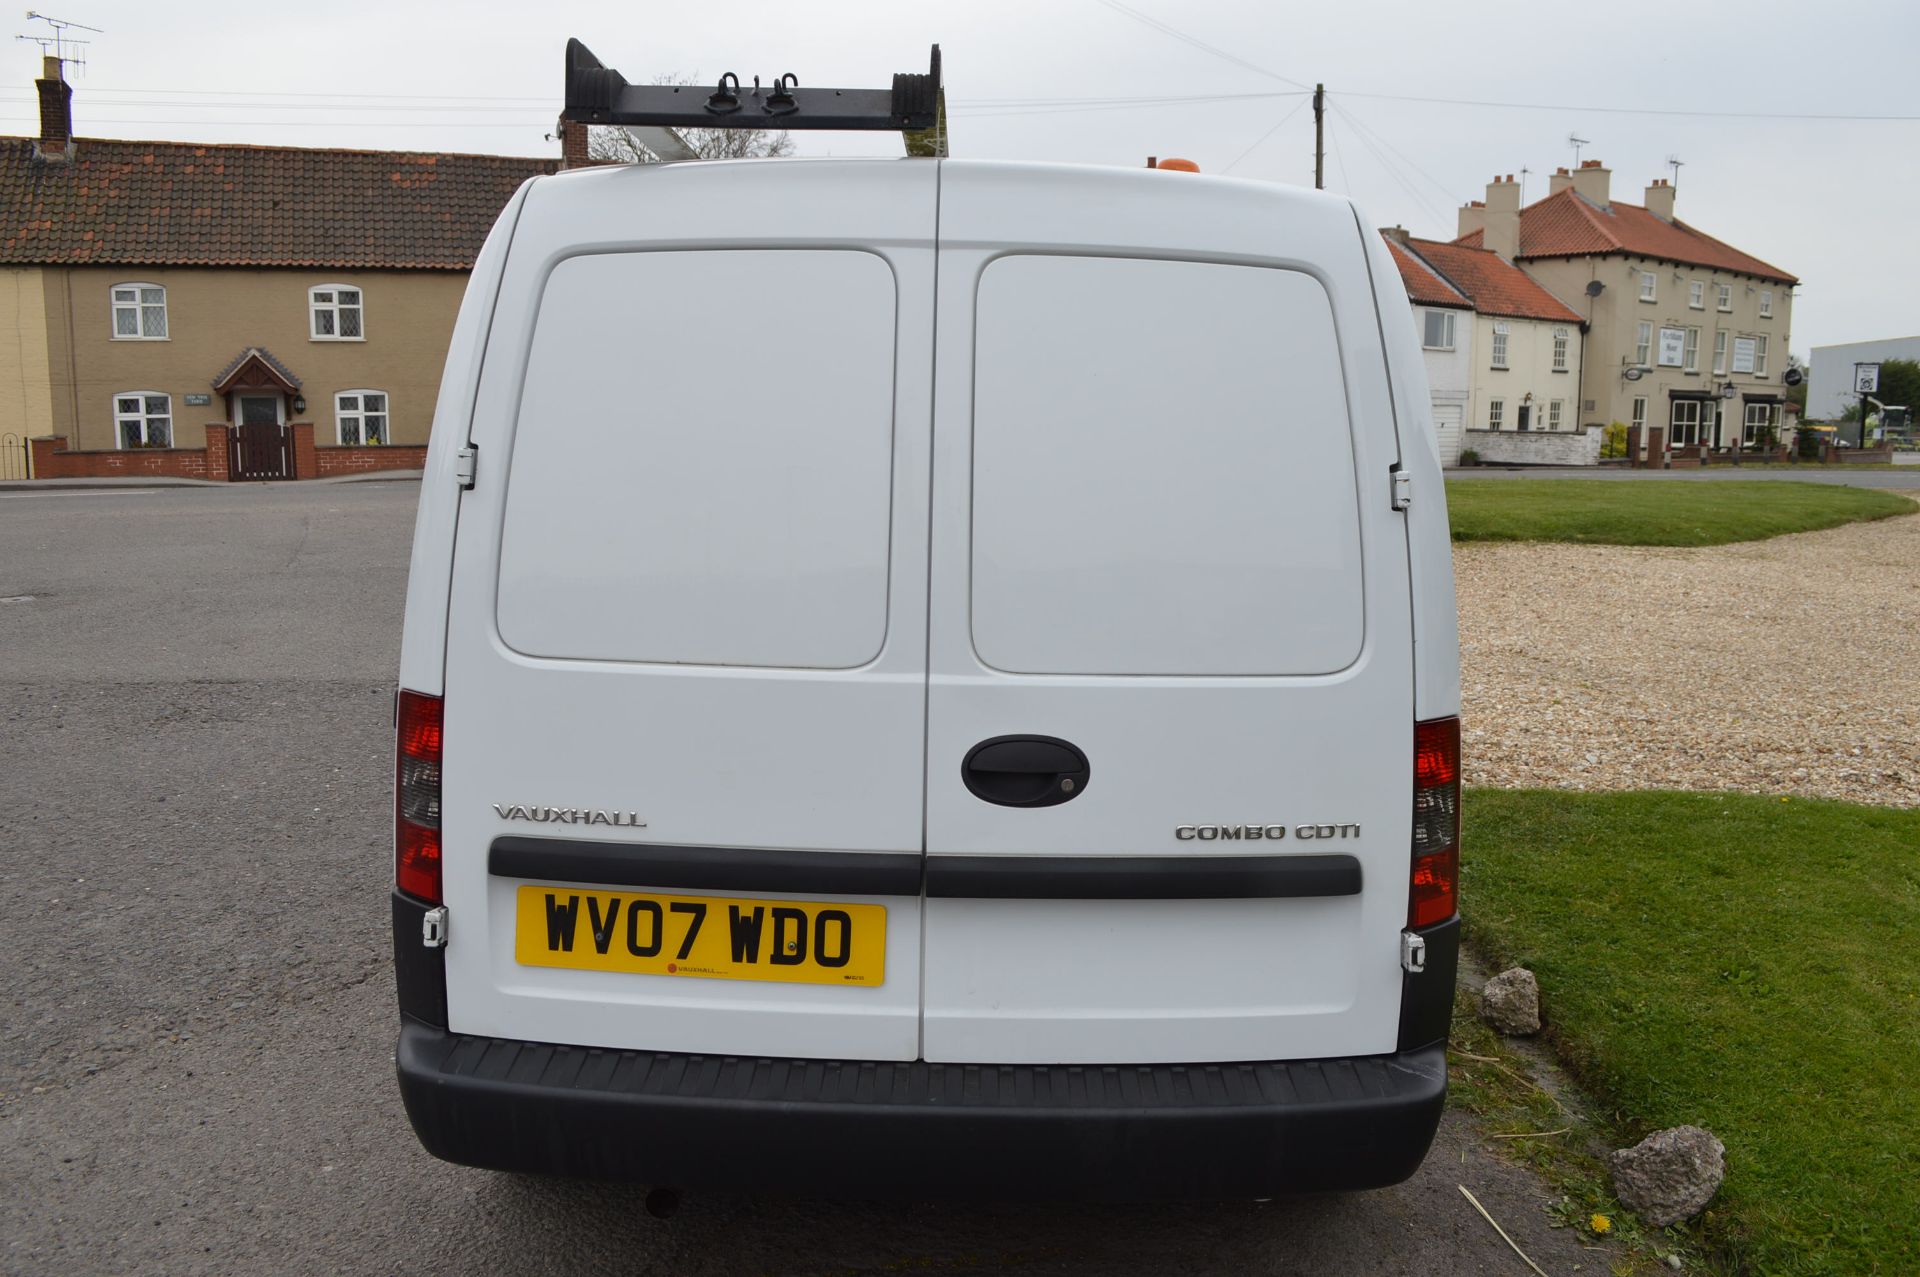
261 447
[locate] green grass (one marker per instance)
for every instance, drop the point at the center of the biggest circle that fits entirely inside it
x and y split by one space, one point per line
1746 964
1625 512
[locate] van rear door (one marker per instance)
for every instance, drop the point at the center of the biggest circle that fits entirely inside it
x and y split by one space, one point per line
1170 706
684 716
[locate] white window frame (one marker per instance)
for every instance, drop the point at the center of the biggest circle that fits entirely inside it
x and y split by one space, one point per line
1638 413
1766 303
1696 294
1759 354
1643 343
1724 298
1675 425
143 418
1496 413
1690 353
1561 342
138 307
1720 352
332 307
1748 429
358 415
1500 333
1554 409
1649 286
1448 322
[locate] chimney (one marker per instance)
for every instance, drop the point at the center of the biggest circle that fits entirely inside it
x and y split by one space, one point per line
1398 234
1590 180
1473 217
1660 199
1502 224
55 142
1559 182
573 145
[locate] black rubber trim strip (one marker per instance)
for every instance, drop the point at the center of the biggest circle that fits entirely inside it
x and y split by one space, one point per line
1141 877
419 973
1014 1132
1426 998
627 864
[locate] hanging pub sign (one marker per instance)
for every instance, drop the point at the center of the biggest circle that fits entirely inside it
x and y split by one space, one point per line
1673 347
1743 354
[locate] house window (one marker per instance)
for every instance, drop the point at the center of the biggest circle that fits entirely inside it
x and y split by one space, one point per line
1439 334
1553 414
139 312
1720 352
361 416
1766 303
1725 294
143 419
1686 423
1696 295
1759 422
1559 350
1690 355
1760 356
1640 414
335 312
1496 411
1499 345
1647 282
1643 344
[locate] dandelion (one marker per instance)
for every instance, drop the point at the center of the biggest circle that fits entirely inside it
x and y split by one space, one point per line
1599 1224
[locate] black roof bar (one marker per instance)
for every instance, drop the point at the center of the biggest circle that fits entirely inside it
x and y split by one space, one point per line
597 94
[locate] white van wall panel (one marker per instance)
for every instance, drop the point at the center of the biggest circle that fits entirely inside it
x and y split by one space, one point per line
1151 443
707 756
692 514
1262 979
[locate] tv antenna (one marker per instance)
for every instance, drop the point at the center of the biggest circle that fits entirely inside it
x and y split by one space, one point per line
1576 142
1675 163
56 42
1524 170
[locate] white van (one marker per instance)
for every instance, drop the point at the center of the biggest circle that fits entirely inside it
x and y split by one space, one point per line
930 677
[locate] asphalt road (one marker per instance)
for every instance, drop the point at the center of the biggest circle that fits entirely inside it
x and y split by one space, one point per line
1901 477
197 1024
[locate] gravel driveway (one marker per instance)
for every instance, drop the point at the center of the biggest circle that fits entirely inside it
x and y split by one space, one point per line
1788 666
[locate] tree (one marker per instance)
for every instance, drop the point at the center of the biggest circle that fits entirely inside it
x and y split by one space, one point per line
1797 395
617 145
1899 387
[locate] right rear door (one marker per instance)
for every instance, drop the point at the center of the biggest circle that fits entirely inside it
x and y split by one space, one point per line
1162 536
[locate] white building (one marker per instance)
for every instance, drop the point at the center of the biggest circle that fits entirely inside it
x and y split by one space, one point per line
1830 387
1444 318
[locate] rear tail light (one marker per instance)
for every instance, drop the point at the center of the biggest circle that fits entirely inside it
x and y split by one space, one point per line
1435 896
416 817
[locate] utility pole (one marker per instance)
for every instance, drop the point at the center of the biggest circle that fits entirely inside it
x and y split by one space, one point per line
1319 137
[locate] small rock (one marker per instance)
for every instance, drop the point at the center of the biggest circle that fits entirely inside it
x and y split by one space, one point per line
1669 1176
1511 1002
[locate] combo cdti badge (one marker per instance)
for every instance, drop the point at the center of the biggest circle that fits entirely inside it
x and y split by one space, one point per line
930 677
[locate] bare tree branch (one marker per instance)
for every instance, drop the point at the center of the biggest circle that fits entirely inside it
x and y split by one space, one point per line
617 146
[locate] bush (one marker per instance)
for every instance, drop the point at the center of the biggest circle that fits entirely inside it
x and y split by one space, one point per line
1809 445
1613 441
1469 457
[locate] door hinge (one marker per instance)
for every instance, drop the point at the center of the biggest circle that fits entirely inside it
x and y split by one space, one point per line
465 462
1402 489
433 928
1413 952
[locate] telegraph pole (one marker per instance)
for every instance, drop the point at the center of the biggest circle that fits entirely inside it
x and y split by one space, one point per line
1319 137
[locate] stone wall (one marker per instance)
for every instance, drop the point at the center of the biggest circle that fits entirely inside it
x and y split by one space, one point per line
1535 447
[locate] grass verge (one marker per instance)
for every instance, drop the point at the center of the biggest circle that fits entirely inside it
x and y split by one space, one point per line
1745 964
1624 512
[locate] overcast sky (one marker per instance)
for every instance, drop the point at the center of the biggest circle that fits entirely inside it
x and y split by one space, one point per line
1831 201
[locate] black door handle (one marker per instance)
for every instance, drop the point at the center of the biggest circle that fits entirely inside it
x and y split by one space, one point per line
1024 771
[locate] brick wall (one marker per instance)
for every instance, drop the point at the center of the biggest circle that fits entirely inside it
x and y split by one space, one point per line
350 460
52 460
1535 447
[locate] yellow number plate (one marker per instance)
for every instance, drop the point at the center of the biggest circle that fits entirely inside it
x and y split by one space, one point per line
722 938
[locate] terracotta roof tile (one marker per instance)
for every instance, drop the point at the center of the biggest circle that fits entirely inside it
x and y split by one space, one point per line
1495 286
1423 286
1566 225
201 204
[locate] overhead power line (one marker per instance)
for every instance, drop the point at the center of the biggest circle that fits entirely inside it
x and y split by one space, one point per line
1196 42
1297 108
1626 110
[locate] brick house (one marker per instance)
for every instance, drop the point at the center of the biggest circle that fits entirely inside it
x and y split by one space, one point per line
230 311
1686 335
1503 355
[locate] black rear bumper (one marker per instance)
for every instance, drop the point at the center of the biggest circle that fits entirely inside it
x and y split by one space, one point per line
864 1129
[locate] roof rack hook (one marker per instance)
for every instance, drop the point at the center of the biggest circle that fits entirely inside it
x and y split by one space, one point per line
722 102
780 101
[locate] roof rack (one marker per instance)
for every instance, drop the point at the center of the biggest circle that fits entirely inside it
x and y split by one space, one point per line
915 106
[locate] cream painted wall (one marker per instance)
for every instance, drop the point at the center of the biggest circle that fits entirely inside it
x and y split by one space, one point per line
26 391
214 314
1529 371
